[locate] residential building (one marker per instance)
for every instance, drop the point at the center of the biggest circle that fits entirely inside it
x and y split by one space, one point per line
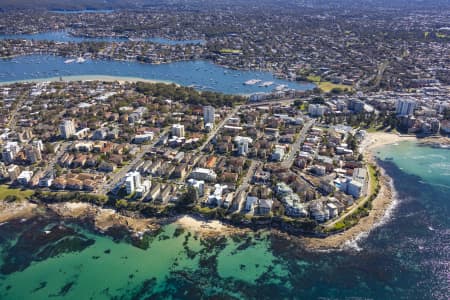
10 151
178 130
67 129
13 172
199 185
316 110
25 177
203 174
209 114
405 107
132 182
278 153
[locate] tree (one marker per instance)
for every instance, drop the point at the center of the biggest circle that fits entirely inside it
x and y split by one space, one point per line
190 197
122 203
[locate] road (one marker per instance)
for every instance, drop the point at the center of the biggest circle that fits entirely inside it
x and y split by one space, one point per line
287 163
213 133
62 149
123 171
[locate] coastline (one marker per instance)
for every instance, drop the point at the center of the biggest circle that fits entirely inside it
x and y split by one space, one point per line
106 78
381 205
104 219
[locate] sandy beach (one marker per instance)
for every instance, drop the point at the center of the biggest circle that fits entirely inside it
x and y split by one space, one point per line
205 227
106 78
380 206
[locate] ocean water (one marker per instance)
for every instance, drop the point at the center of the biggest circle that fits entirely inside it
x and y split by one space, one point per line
201 74
405 257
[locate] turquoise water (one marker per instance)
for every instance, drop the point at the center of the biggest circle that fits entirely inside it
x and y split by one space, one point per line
407 257
64 36
202 75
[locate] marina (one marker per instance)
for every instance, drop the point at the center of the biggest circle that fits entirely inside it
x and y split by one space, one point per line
203 75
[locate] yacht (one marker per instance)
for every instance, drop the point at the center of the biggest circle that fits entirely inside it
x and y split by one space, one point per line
252 81
266 83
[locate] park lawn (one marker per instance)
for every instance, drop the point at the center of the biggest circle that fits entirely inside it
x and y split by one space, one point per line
230 51
374 180
22 194
327 86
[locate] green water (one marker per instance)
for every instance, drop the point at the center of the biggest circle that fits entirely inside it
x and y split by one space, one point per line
404 258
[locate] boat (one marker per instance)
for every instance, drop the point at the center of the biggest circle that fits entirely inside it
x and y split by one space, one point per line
266 84
69 61
131 39
280 87
80 60
252 81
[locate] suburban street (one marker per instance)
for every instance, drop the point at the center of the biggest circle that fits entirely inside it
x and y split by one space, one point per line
287 163
116 177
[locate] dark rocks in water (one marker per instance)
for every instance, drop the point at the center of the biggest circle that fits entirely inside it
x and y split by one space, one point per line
34 244
146 287
64 290
42 285
178 231
107 251
118 233
163 237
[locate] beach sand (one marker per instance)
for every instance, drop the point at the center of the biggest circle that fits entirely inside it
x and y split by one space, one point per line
106 78
205 227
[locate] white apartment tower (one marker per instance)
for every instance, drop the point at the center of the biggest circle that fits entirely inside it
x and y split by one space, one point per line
209 114
405 107
67 129
132 182
178 130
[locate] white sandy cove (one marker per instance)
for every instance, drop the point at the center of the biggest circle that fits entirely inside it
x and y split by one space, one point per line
203 226
377 139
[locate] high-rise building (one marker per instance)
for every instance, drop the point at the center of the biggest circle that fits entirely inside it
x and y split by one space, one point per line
316 110
209 114
10 151
243 147
33 154
178 130
405 107
132 182
67 129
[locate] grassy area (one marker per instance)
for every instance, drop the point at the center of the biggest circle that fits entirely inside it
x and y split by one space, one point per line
373 179
230 51
364 207
21 194
327 86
